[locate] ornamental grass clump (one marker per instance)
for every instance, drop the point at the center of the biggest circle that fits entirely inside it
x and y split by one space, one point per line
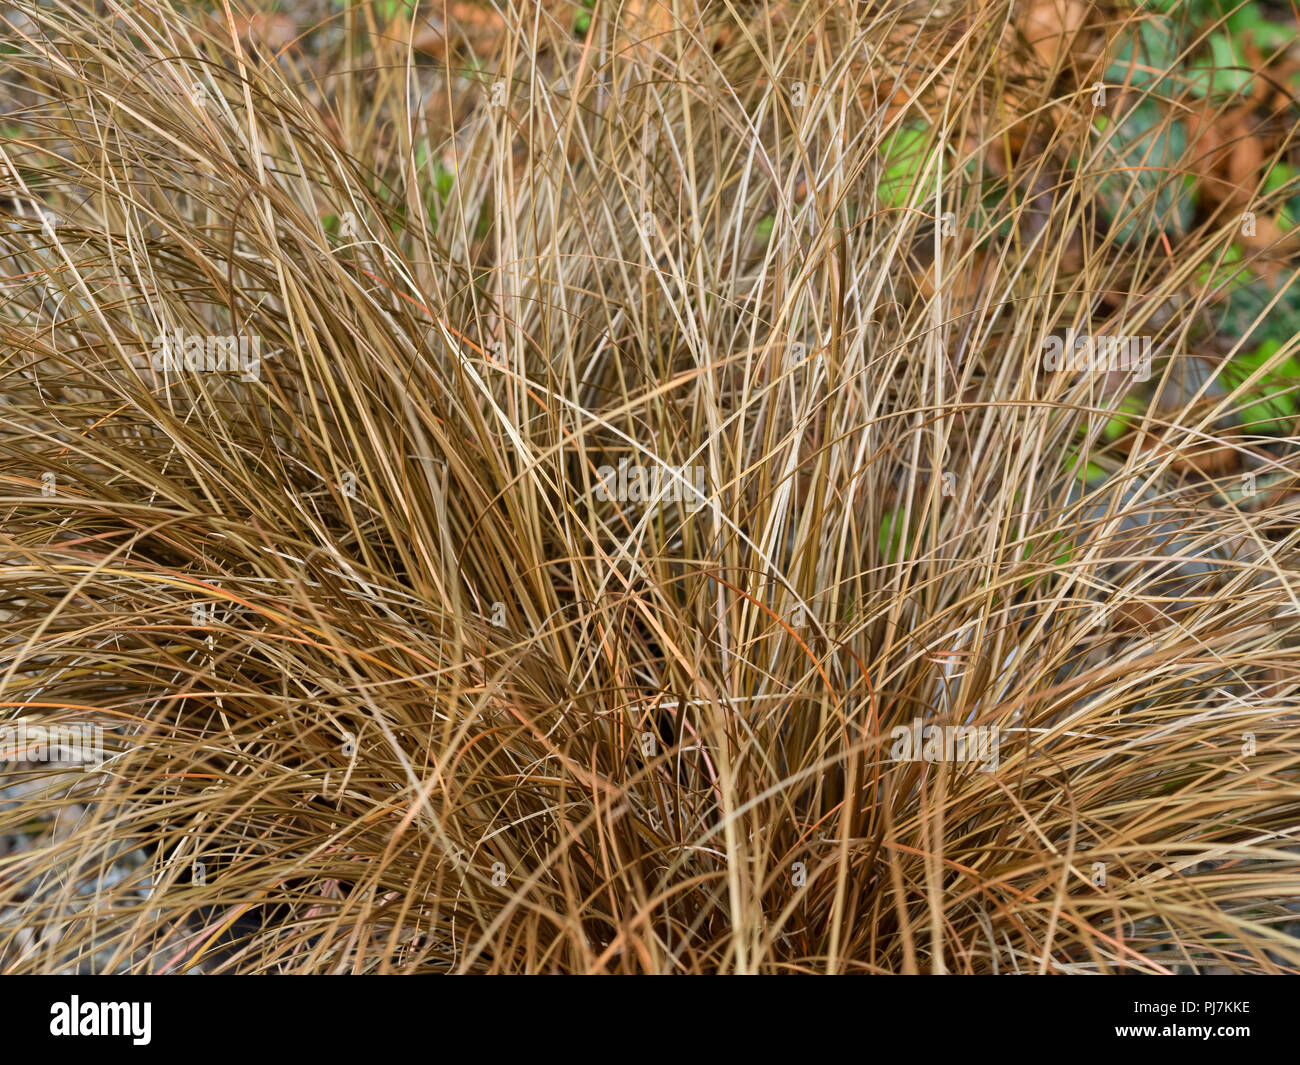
909 653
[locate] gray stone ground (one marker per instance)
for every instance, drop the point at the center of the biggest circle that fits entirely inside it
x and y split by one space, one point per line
30 921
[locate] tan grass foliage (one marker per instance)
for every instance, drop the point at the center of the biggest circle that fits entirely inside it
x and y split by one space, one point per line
390 688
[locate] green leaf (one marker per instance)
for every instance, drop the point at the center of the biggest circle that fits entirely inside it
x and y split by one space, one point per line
1090 471
909 161
1146 52
443 181
1248 316
891 536
1229 274
582 21
1249 21
1272 413
1128 415
1223 73
1282 176
1140 188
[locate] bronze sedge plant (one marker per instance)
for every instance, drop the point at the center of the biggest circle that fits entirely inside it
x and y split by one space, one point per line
388 687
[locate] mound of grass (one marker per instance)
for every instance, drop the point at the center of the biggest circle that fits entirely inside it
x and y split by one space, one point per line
510 516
